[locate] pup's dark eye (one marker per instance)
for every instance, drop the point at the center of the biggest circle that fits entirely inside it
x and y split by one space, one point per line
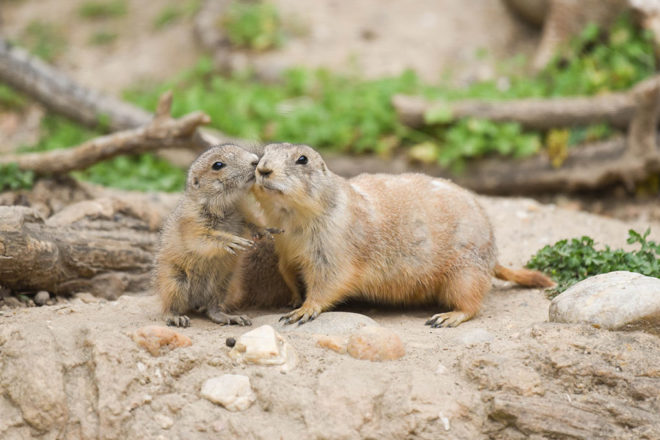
217 165
302 160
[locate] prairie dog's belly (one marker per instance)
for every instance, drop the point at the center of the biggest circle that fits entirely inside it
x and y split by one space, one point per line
424 227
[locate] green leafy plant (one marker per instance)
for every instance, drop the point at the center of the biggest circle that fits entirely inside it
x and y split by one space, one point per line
12 177
570 261
253 25
103 9
43 39
144 172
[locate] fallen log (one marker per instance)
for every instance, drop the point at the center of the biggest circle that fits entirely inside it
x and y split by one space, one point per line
158 133
106 258
616 109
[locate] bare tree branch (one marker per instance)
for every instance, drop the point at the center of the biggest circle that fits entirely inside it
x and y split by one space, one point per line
161 132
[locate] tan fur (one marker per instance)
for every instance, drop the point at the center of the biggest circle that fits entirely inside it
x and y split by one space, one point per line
203 237
400 239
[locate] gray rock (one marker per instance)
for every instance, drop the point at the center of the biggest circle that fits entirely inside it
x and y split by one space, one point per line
328 323
41 298
613 300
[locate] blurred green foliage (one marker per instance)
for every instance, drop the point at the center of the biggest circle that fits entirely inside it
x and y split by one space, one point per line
10 100
102 38
254 25
172 13
570 261
346 113
45 40
12 177
98 9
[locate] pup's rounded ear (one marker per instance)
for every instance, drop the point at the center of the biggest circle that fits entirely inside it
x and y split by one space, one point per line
195 182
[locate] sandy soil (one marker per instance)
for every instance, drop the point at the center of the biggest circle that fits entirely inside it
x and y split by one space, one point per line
89 380
374 37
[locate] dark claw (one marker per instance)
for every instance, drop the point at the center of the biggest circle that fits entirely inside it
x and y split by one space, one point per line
282 318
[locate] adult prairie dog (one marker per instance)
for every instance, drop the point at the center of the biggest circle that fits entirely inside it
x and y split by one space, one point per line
203 237
401 239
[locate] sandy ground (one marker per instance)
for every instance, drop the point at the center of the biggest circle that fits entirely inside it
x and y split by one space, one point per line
89 380
373 37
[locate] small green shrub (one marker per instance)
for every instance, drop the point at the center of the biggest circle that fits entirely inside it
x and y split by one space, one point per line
253 25
570 261
12 177
103 9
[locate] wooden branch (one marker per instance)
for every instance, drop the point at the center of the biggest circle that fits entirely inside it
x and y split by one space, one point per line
62 95
642 131
617 109
105 258
161 132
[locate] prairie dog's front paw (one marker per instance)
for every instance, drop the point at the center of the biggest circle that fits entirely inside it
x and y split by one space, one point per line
238 244
178 321
306 313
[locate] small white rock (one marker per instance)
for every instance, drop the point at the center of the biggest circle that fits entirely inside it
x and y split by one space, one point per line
164 421
233 391
612 300
264 346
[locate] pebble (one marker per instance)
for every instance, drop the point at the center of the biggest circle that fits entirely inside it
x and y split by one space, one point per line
155 337
264 346
375 343
334 343
613 301
164 421
41 298
230 342
232 391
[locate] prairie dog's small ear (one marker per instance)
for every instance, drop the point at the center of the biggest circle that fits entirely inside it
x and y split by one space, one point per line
195 182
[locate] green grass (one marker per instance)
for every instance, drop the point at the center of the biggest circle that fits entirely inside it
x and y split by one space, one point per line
102 38
96 10
44 40
253 25
171 14
571 261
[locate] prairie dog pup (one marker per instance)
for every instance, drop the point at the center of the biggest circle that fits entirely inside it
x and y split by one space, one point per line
402 239
202 238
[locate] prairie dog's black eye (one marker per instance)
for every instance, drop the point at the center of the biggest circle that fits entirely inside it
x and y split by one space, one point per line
217 165
302 160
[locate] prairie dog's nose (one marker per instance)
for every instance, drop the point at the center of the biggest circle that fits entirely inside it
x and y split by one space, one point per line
255 160
264 170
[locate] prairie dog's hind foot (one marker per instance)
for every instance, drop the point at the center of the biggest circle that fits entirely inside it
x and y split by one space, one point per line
448 319
178 321
223 318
